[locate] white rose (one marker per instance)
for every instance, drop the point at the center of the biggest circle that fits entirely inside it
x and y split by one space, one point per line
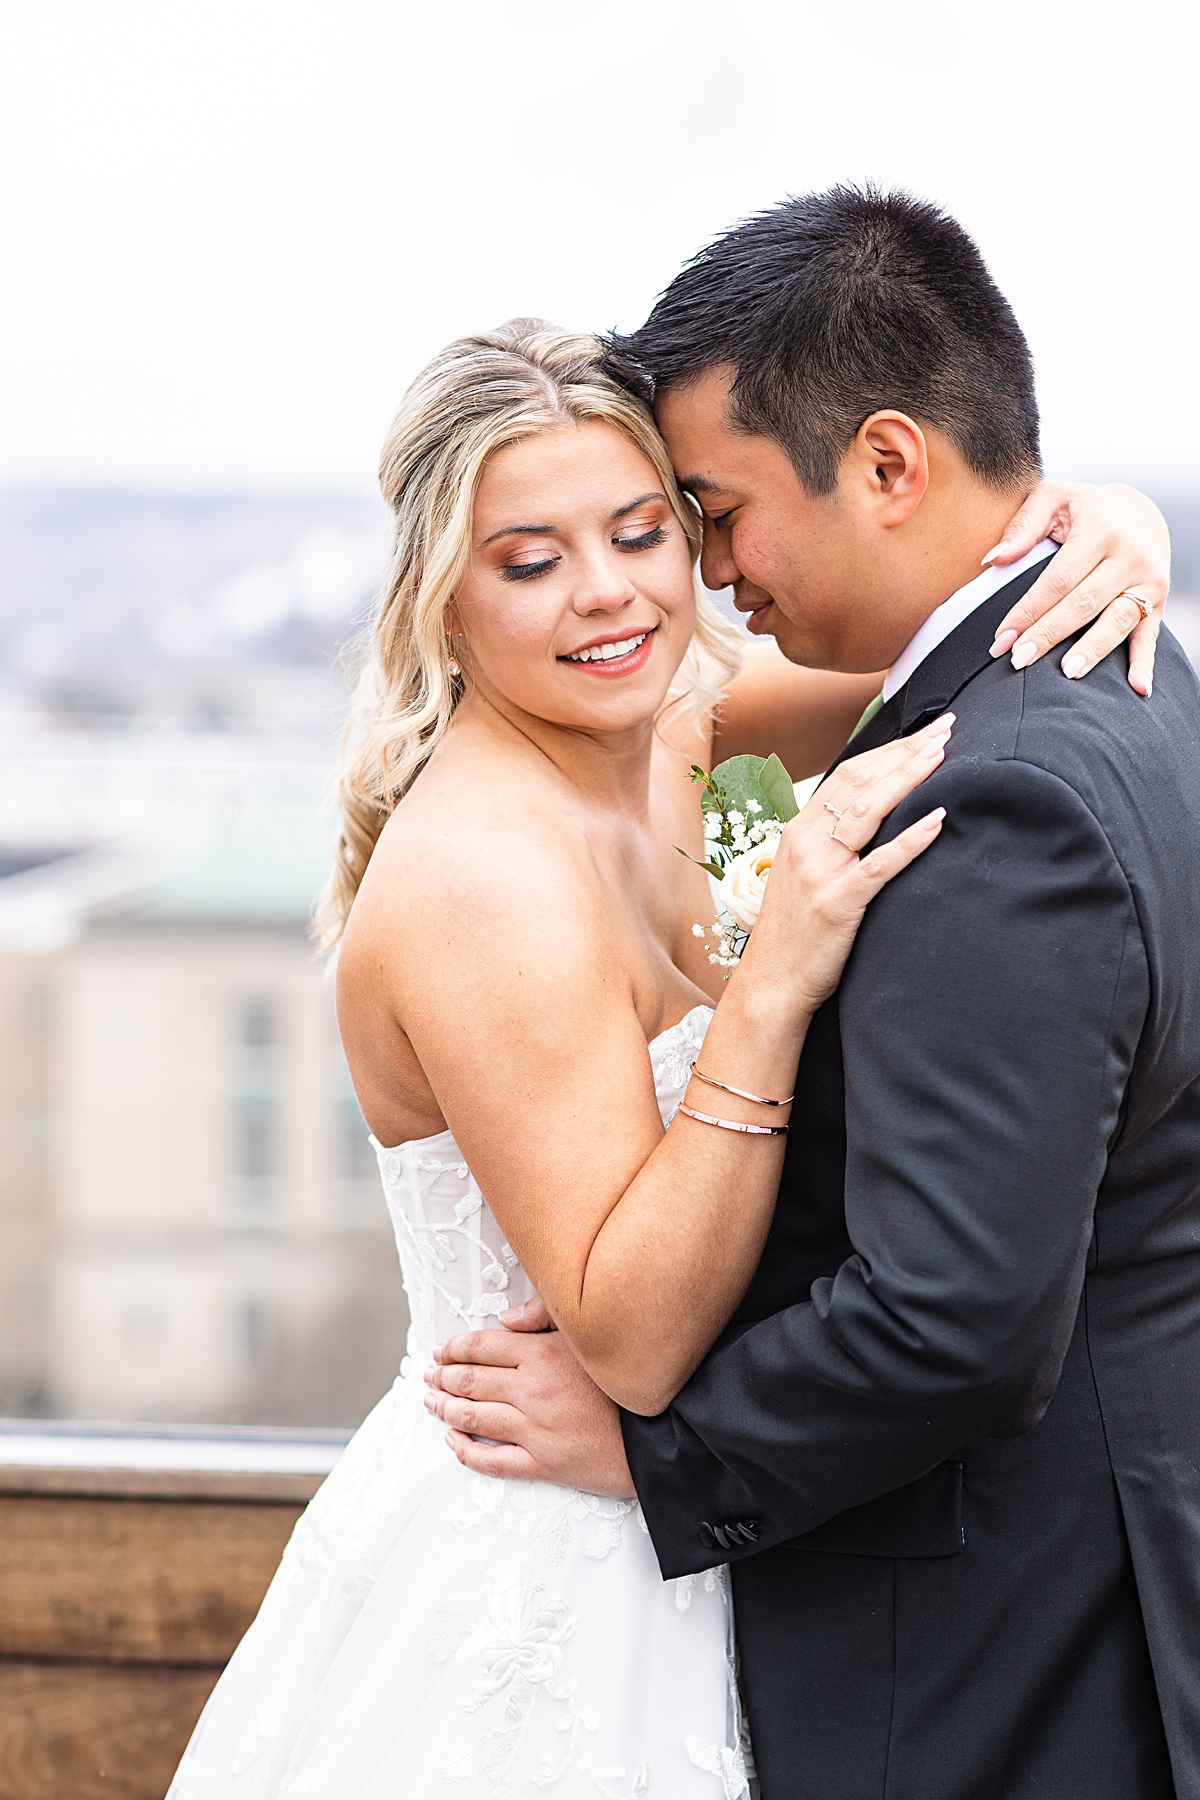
741 888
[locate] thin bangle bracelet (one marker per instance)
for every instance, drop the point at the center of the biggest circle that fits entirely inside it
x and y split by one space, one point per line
758 1099
734 1124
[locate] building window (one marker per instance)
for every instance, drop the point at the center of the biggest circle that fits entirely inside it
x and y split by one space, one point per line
256 1110
258 1024
255 1136
253 1336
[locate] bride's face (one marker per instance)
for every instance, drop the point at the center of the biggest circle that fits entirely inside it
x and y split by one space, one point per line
578 603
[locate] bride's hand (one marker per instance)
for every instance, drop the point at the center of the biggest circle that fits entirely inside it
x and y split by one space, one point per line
819 886
1113 540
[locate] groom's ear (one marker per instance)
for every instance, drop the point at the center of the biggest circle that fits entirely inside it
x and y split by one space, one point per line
888 463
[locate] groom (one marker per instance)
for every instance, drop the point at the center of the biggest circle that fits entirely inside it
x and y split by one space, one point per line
950 1442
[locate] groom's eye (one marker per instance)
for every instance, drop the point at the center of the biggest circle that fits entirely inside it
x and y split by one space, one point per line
646 541
721 520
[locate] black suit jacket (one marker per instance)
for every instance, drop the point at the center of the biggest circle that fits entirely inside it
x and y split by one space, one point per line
951 1441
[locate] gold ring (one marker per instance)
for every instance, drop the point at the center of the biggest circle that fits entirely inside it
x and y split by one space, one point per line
835 810
1143 606
838 840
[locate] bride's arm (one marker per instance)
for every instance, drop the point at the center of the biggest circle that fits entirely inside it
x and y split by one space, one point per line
1113 540
526 1026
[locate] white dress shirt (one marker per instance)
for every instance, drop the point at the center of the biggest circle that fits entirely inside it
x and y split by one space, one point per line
951 613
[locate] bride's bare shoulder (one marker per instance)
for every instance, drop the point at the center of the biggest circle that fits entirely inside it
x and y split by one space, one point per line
466 875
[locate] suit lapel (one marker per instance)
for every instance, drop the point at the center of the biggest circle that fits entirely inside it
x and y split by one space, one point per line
946 671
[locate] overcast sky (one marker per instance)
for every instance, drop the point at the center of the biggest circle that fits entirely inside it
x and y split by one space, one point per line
233 230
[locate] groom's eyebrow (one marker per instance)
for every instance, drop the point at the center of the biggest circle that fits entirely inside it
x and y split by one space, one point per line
699 484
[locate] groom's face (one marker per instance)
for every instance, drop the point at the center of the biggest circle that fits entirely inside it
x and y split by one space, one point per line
810 571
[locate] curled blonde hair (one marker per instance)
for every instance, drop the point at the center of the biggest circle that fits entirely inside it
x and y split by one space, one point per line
477 395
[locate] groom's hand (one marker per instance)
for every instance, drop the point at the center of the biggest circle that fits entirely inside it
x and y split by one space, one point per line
525 1390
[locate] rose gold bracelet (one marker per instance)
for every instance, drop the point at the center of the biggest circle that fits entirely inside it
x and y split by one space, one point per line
734 1124
758 1099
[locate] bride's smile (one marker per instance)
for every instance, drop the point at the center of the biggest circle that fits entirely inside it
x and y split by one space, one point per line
613 655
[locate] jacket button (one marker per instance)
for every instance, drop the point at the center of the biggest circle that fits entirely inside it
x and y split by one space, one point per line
708 1536
749 1531
721 1534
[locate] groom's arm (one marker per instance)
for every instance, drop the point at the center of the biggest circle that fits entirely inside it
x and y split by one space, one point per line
989 1016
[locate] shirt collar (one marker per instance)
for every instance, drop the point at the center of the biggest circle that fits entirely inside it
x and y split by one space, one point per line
951 613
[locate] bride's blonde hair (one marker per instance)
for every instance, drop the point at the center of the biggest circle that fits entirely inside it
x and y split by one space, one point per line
477 395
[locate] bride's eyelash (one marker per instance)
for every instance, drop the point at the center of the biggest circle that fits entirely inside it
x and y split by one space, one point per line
646 541
526 571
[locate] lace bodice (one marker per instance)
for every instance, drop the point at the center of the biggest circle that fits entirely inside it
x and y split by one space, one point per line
459 1272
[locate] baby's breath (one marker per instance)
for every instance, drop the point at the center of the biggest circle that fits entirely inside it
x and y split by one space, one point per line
735 822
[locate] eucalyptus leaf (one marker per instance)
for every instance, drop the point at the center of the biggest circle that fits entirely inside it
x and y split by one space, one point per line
777 789
737 782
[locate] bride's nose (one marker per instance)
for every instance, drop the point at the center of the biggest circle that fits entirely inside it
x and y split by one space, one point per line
603 585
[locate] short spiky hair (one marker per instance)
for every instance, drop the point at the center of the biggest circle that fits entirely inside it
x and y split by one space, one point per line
835 305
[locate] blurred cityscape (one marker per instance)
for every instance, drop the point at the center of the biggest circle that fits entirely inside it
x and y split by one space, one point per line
191 1224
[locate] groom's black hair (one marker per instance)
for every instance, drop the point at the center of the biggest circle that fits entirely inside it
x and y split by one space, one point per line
832 306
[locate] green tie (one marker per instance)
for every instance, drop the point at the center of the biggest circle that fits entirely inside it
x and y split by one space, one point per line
872 709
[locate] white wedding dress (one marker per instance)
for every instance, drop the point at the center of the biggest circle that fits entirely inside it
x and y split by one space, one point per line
434 1632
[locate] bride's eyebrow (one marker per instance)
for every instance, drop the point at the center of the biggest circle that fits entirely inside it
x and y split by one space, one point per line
633 505
519 531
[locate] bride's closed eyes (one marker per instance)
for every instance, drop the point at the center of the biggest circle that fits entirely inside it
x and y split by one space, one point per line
526 571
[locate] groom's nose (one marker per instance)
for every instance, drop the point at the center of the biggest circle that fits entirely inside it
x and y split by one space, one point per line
717 567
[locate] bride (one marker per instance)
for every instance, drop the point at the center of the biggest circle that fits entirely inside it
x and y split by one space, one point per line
522 994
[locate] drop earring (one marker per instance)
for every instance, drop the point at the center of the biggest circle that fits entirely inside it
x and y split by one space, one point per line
452 662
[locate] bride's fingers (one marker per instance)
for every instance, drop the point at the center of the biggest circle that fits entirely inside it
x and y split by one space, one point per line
1141 655
1068 593
887 860
1089 580
1044 513
860 794
1122 618
507 1461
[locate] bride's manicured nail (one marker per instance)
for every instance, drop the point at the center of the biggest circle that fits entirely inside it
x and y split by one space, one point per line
934 818
1005 641
940 727
997 550
1024 654
1074 665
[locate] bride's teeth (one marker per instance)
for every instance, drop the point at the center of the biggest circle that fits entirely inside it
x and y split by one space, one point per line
607 652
